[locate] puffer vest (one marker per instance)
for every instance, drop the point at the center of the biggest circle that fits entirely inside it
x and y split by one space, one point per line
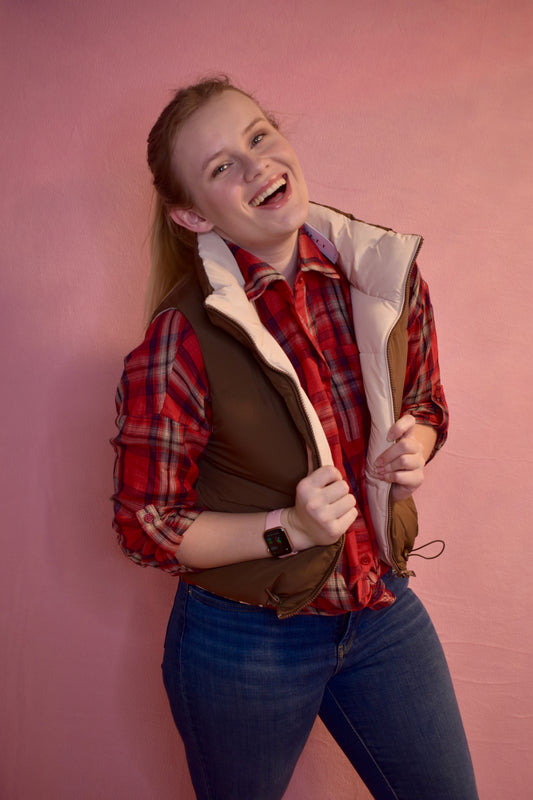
263 423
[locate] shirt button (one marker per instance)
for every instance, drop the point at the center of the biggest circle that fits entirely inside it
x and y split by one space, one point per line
148 517
365 559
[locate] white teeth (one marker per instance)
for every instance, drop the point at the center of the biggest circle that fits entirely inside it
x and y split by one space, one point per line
271 190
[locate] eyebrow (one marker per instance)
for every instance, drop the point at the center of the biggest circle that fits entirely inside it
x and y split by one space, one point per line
220 152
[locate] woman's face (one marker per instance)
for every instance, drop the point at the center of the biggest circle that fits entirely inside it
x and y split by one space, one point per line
243 176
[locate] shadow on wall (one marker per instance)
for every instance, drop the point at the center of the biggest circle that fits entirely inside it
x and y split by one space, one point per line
113 613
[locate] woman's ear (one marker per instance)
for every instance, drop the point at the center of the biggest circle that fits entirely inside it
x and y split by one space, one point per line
190 219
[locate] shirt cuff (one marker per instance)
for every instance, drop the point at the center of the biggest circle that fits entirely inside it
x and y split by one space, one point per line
159 528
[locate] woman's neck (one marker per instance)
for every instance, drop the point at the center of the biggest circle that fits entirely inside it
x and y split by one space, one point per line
284 259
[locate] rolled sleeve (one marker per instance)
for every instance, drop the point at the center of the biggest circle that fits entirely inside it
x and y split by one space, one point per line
423 391
163 428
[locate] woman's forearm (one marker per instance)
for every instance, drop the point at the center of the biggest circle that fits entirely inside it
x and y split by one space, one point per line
324 509
215 539
427 437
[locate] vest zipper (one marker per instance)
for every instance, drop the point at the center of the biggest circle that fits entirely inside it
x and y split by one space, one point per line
243 334
397 411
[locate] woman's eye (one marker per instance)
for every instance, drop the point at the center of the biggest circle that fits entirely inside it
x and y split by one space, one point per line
257 138
219 170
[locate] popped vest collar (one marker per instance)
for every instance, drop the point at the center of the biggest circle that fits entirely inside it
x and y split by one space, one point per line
375 260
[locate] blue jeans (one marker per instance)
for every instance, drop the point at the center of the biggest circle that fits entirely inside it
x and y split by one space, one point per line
245 689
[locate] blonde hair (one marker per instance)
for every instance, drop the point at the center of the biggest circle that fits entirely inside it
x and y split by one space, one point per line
172 246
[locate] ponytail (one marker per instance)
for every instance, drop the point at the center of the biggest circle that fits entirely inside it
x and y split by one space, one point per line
171 255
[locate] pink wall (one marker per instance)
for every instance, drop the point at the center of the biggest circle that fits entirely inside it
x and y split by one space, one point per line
412 113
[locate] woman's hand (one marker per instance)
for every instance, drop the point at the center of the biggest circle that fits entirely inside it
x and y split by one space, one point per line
324 509
403 463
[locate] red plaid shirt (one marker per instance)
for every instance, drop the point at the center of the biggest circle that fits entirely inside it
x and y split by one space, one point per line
164 414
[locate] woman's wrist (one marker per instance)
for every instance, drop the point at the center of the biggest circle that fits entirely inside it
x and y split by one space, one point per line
300 540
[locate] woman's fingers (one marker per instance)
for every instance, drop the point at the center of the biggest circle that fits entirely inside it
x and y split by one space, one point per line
324 507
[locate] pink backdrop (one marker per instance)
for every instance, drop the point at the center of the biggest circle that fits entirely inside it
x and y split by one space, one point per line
411 113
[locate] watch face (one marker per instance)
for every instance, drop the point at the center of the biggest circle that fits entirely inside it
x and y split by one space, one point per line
277 542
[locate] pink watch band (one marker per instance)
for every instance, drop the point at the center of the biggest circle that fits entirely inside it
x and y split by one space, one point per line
273 519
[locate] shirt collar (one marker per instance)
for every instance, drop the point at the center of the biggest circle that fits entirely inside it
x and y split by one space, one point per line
258 274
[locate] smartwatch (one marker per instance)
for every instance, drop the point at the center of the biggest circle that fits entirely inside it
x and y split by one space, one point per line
278 543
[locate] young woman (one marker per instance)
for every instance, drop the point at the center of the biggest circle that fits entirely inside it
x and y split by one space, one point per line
273 426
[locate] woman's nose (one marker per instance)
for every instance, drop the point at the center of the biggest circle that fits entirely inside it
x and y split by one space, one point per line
253 166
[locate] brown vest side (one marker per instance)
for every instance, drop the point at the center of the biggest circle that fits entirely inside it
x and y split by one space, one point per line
255 457
403 517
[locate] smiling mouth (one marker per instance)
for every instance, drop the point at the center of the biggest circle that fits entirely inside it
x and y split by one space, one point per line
273 193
